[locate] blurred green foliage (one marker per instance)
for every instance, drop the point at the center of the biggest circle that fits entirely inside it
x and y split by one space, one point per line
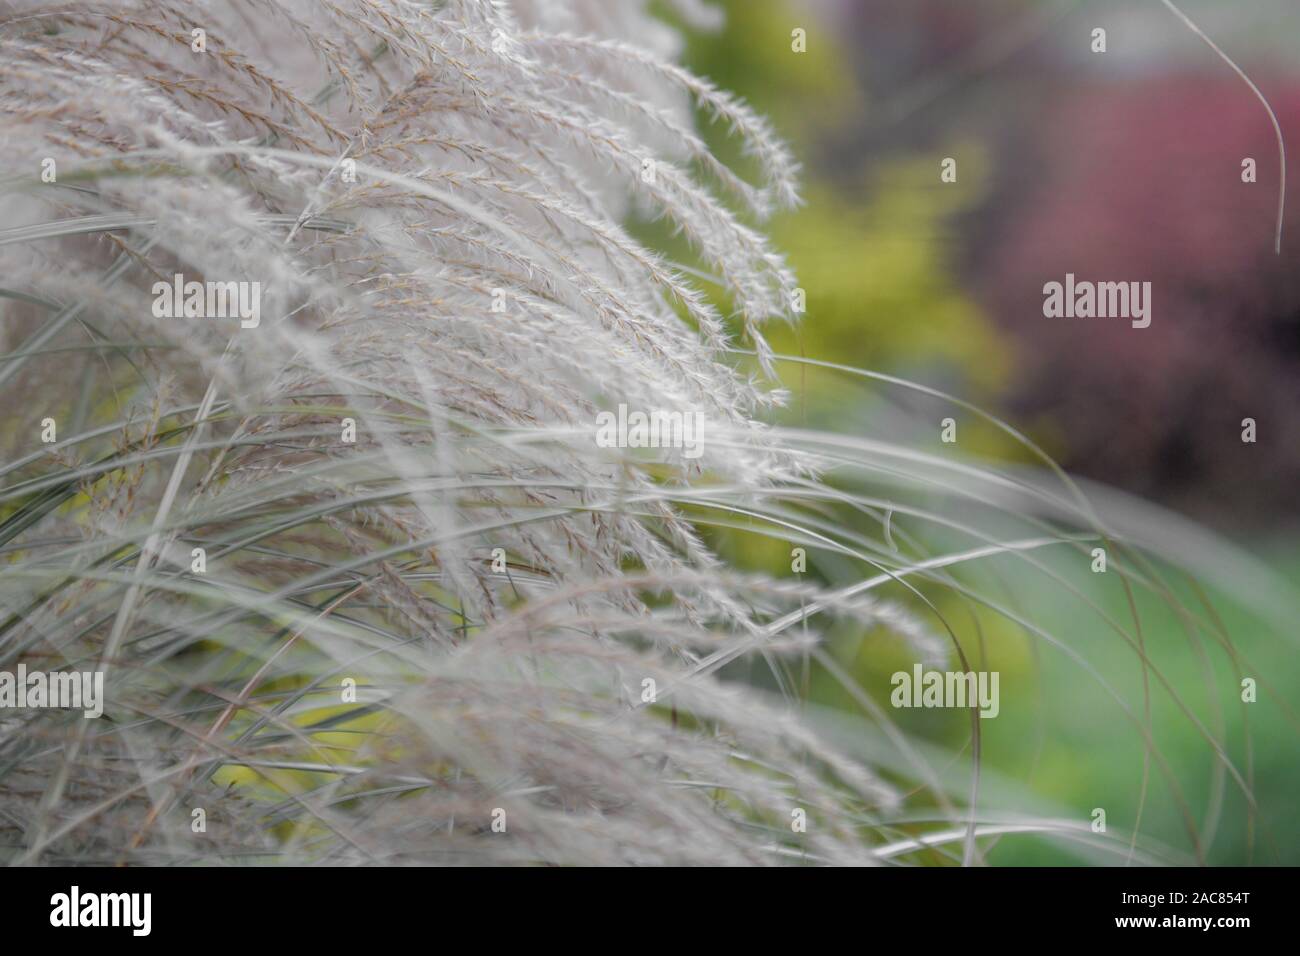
871 246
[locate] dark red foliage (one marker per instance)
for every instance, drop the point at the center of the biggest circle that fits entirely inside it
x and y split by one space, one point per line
1142 181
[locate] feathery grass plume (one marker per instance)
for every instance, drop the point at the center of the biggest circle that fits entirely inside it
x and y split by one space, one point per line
363 586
